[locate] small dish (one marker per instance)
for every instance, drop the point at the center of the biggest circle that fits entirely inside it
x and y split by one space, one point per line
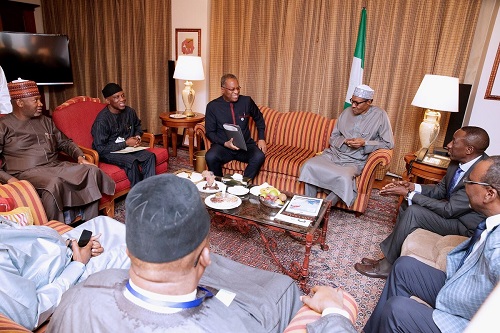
220 187
178 116
269 203
238 190
229 202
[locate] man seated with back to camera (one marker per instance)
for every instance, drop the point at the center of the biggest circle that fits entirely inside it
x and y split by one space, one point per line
233 108
442 208
174 283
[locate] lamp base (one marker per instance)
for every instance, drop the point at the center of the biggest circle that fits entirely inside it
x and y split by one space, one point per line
188 113
188 95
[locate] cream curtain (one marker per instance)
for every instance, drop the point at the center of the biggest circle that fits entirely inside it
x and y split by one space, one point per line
122 41
296 55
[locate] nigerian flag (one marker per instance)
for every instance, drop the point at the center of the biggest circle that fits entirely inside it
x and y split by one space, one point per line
358 62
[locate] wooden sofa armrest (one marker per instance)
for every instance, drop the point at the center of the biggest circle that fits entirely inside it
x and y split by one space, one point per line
148 138
90 154
200 132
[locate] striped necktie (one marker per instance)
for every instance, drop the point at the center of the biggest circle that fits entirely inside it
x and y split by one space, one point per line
473 240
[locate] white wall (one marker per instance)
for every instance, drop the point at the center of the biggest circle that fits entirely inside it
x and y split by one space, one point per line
483 112
193 14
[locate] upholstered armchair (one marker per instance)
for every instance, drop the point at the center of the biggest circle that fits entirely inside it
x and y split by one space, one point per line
25 195
75 118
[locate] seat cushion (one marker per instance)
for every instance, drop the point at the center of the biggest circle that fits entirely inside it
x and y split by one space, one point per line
161 159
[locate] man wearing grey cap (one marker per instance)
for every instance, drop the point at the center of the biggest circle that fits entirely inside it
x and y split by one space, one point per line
360 130
174 284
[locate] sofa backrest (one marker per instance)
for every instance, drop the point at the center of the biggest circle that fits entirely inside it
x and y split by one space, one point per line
75 118
296 128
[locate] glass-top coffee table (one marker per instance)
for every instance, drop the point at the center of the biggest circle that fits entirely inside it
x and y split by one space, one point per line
251 213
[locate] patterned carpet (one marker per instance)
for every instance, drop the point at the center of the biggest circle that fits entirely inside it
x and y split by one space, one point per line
349 238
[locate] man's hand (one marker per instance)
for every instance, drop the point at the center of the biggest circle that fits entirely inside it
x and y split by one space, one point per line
83 254
133 141
262 145
324 297
82 160
229 144
355 143
397 187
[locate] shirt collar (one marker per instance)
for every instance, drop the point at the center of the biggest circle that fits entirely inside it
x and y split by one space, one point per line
466 166
492 222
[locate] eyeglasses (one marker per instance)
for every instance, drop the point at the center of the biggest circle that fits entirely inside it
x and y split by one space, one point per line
466 180
355 103
232 89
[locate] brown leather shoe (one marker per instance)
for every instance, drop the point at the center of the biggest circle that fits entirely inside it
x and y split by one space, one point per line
373 271
368 261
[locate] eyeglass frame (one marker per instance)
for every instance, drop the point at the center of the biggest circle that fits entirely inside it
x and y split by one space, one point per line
466 180
232 89
355 103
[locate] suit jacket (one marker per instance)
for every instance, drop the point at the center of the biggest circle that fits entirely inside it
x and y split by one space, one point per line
466 289
434 198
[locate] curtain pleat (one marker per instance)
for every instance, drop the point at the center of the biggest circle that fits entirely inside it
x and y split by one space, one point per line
297 54
122 41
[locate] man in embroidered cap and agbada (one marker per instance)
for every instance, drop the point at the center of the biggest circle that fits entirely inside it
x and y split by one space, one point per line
29 147
361 129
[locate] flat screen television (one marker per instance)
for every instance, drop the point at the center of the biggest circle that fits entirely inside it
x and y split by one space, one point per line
43 58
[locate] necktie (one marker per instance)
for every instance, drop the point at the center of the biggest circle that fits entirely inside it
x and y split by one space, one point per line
232 112
473 240
455 179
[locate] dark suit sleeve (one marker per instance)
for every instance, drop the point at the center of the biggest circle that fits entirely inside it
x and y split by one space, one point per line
332 323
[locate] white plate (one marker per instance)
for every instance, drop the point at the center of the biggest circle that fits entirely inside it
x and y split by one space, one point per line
224 204
200 185
178 116
238 190
256 189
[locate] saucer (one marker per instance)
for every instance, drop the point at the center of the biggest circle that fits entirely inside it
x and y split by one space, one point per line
178 116
238 190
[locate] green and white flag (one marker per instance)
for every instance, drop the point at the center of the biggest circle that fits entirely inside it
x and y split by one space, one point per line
358 62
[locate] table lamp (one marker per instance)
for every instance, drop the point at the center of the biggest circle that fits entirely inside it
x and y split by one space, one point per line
189 68
436 93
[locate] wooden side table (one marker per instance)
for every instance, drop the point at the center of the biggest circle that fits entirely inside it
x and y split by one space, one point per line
188 123
426 172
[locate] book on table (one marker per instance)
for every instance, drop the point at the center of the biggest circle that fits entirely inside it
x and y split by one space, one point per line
234 132
300 210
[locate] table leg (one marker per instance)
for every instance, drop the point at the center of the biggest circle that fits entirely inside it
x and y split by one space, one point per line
304 272
324 229
190 133
164 130
173 132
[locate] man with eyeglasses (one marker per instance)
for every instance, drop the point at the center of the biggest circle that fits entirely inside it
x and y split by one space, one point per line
472 271
442 208
233 108
360 130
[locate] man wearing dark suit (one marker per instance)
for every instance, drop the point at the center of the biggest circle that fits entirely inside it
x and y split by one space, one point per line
472 271
442 208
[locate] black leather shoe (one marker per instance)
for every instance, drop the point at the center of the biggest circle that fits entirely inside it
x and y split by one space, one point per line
368 261
373 271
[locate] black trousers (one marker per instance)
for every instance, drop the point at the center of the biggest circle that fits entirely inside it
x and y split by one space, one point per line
219 155
395 310
138 165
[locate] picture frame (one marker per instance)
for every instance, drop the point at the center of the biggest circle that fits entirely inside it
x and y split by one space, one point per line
187 42
493 88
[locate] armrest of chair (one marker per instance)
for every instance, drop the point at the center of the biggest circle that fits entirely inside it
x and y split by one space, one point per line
90 154
148 138
200 132
380 157
7 325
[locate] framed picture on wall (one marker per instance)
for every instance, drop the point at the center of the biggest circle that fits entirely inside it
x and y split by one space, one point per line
188 42
493 88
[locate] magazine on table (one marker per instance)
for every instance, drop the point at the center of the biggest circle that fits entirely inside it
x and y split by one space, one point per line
234 132
283 216
304 206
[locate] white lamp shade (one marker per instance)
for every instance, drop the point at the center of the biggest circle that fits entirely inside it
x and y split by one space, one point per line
438 93
189 68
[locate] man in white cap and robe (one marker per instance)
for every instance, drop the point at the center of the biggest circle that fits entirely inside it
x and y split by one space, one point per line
361 129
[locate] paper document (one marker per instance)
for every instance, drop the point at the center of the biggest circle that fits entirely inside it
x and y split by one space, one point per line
304 205
234 132
301 220
129 150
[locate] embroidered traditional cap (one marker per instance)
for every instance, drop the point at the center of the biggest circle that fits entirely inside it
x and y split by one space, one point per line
165 218
22 88
363 91
111 89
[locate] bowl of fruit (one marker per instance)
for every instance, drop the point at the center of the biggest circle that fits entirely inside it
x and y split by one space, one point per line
271 197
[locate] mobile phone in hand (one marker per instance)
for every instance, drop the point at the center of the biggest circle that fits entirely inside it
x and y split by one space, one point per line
84 238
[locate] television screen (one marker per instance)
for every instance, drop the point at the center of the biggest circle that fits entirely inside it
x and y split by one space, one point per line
43 58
